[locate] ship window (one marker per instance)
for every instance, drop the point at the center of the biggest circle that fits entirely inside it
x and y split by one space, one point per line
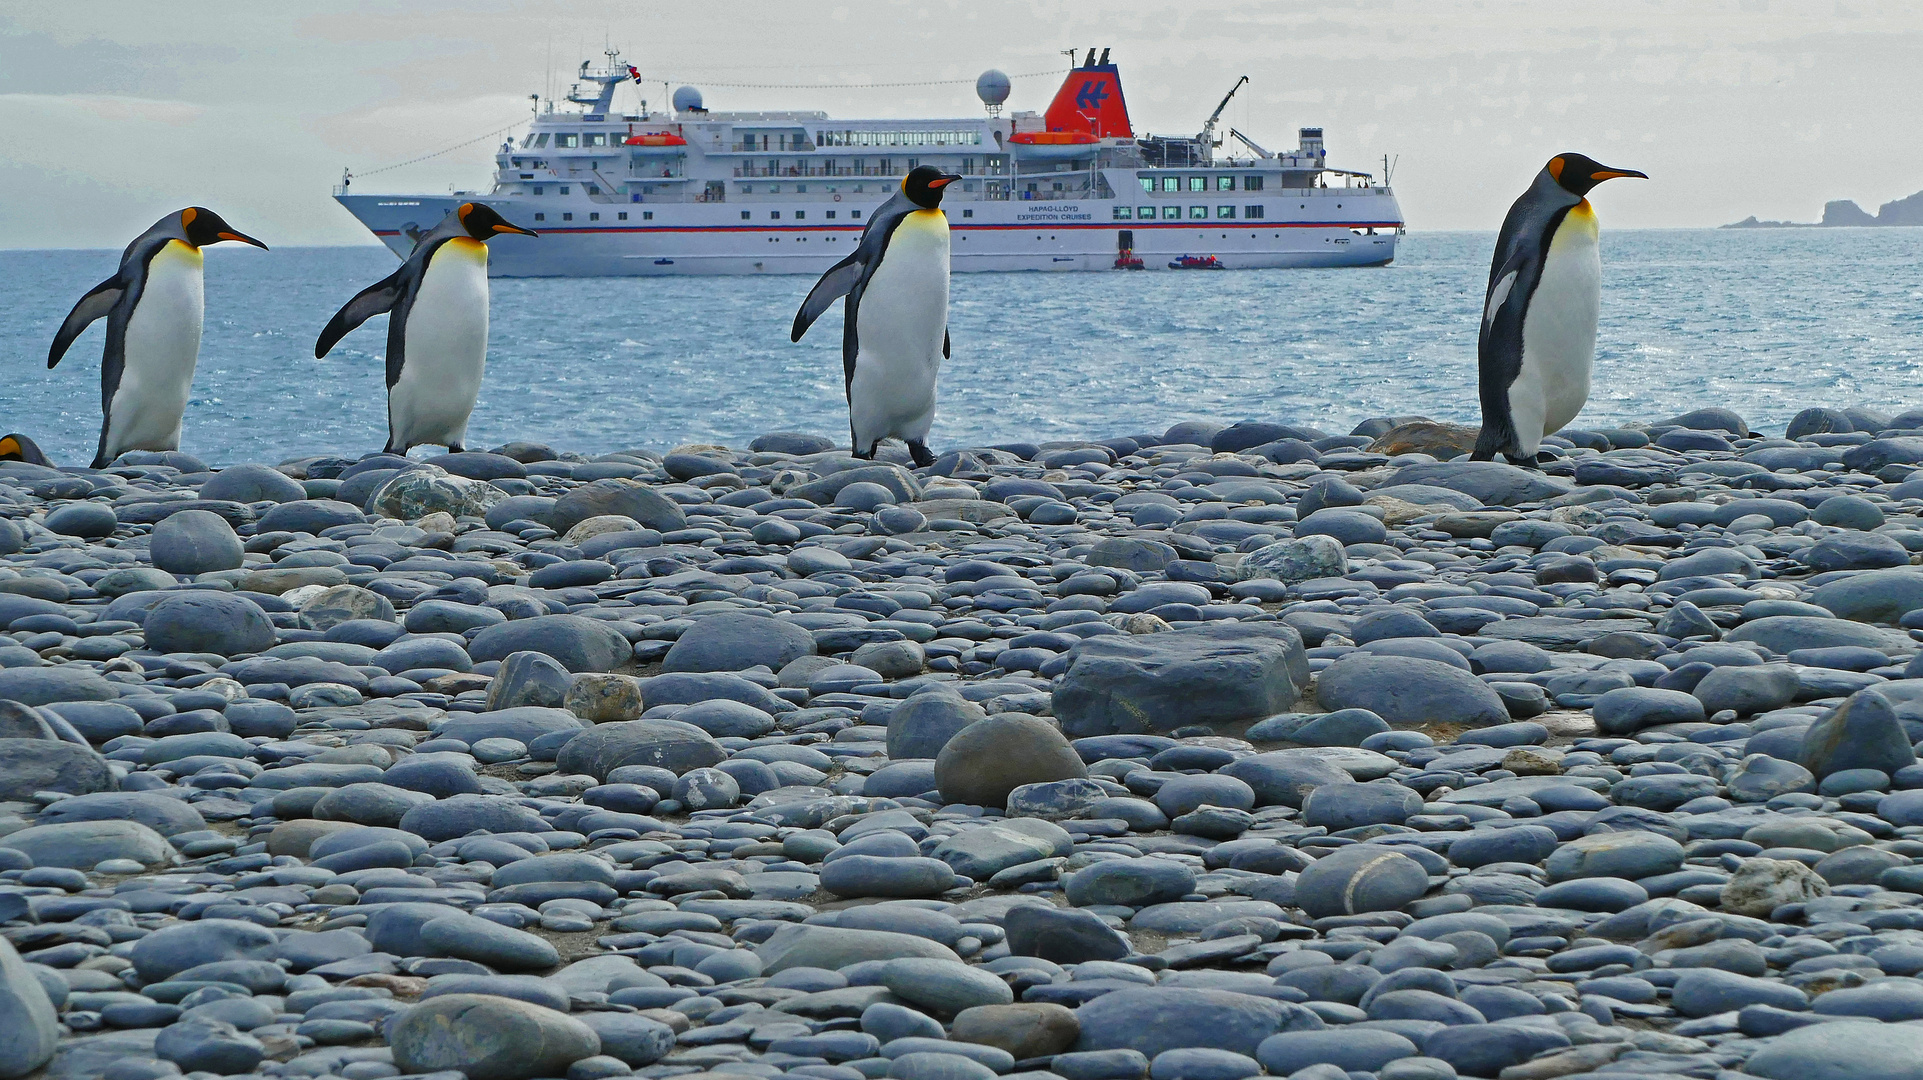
1171 183
592 189
539 190
1147 182
647 215
1251 183
775 214
1198 183
541 139
597 217
595 138
1198 212
831 215
1254 210
799 214
622 216
1171 213
540 217
1225 183
745 215
1124 213
968 213
566 138
564 189
567 217
1146 213
1225 211
855 214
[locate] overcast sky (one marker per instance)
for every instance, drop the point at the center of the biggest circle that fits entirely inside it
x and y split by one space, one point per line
118 112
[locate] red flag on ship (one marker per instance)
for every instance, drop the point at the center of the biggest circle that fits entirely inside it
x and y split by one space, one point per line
633 74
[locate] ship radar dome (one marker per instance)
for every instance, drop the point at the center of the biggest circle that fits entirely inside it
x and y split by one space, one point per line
687 99
992 88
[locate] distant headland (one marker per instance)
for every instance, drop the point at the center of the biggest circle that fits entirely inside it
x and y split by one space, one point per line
1845 212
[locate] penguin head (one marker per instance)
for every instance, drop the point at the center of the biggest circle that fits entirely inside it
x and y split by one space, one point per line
1577 174
924 185
203 227
482 223
17 447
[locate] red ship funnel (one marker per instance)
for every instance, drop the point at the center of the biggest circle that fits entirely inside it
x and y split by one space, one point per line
1090 100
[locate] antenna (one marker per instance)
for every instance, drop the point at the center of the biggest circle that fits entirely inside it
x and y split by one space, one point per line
1091 58
1070 53
1104 56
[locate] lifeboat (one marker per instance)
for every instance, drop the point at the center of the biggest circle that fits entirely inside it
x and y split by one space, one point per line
1197 262
656 143
1052 145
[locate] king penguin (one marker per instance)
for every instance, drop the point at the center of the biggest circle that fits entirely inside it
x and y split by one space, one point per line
437 330
895 333
17 447
1539 318
153 305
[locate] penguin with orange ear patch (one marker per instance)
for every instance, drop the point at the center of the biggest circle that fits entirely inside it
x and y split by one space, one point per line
153 306
1539 317
17 447
436 329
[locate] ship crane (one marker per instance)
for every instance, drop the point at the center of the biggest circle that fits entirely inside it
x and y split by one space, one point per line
1207 139
1260 151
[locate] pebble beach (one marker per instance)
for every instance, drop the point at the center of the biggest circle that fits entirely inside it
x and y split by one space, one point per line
1228 751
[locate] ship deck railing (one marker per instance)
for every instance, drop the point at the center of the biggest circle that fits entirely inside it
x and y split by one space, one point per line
747 172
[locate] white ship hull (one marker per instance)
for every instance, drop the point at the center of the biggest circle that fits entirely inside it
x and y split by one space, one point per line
701 239
688 191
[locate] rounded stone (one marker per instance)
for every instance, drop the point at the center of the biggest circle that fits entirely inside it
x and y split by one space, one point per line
489 1038
1359 879
196 542
1129 883
87 520
208 622
990 758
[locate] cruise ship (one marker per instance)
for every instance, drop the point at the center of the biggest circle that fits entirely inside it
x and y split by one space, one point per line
686 190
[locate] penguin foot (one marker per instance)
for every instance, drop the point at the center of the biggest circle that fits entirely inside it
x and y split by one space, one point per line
865 455
1520 462
919 451
457 449
1544 457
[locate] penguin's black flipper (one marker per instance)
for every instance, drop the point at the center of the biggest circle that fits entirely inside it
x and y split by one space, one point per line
99 300
1499 350
838 282
944 344
371 301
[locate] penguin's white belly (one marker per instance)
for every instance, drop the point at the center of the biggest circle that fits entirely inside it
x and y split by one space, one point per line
899 327
1559 333
444 349
162 343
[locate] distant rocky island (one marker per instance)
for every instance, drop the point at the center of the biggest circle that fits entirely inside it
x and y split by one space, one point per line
1845 212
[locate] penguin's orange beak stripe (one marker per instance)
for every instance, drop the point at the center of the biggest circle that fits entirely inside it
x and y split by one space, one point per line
242 238
942 181
1612 174
515 229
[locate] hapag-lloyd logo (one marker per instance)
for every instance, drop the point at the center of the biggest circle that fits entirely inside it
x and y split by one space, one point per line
1055 212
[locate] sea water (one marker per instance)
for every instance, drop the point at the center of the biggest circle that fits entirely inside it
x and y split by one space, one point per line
1765 322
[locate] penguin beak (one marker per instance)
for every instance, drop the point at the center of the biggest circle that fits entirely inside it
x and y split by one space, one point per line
242 237
943 180
505 227
1611 174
